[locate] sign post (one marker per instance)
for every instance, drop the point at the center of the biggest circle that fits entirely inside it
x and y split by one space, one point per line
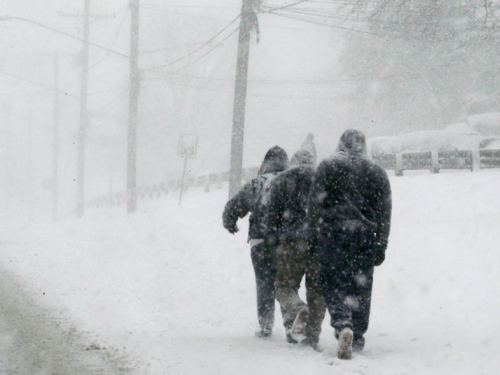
187 147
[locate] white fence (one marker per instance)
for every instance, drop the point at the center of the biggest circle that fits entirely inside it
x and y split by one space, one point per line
434 161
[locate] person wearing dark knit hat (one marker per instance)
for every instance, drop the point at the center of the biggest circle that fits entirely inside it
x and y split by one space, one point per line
252 198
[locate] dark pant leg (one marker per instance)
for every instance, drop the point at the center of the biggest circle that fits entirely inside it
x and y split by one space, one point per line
361 316
265 273
347 283
315 299
290 269
335 282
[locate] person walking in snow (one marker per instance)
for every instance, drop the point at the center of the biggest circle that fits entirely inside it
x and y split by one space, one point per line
252 199
349 212
286 231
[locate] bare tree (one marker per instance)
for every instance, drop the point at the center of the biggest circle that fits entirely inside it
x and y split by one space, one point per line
418 63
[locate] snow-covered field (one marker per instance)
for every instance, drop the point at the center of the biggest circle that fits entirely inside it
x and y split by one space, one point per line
170 289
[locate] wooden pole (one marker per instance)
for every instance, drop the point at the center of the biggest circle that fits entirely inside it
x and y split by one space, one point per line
240 95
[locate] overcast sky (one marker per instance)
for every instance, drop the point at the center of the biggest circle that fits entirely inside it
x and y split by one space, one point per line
287 96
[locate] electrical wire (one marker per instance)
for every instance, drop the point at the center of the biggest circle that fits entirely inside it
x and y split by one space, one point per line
114 41
209 51
328 25
169 48
286 6
68 35
40 85
200 47
184 14
190 6
199 58
115 101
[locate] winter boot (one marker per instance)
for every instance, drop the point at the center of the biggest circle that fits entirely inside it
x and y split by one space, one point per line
299 323
264 333
310 341
358 343
344 350
290 339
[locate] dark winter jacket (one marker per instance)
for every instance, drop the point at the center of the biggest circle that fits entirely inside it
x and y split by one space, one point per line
249 199
350 193
286 220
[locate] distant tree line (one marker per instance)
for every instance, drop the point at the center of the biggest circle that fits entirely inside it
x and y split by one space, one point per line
421 64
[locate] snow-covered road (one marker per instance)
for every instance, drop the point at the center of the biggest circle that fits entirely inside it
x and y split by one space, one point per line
36 340
168 291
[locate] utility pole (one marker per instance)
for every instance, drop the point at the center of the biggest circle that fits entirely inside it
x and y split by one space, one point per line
240 94
55 168
84 113
135 82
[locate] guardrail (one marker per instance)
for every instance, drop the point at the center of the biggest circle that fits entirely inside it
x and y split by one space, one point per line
207 181
434 161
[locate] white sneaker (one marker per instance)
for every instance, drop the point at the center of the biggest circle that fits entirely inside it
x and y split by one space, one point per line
344 350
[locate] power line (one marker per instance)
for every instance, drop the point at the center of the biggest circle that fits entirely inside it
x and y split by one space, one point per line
199 58
200 47
326 24
66 34
183 14
209 51
112 43
116 100
191 6
286 6
39 84
318 81
351 29
304 95
169 48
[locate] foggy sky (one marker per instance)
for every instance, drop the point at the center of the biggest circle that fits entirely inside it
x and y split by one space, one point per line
286 99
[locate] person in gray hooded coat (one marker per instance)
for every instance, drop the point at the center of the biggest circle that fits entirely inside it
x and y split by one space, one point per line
252 198
349 213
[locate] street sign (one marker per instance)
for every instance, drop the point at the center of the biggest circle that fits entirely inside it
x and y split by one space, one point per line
188 145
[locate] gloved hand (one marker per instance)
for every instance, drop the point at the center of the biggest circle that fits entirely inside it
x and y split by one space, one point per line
233 230
379 252
271 240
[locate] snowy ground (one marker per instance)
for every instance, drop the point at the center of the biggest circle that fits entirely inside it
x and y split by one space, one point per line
169 291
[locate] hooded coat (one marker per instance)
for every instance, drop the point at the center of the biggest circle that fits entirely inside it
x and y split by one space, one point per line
351 194
286 219
248 199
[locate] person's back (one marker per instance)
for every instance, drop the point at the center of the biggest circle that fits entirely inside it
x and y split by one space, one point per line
246 200
288 200
250 200
286 227
351 190
349 211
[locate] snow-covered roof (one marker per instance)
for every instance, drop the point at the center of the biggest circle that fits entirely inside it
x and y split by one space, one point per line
461 127
492 118
486 123
435 140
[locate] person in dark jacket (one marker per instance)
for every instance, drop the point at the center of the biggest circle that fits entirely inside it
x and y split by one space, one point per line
287 232
349 213
252 199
